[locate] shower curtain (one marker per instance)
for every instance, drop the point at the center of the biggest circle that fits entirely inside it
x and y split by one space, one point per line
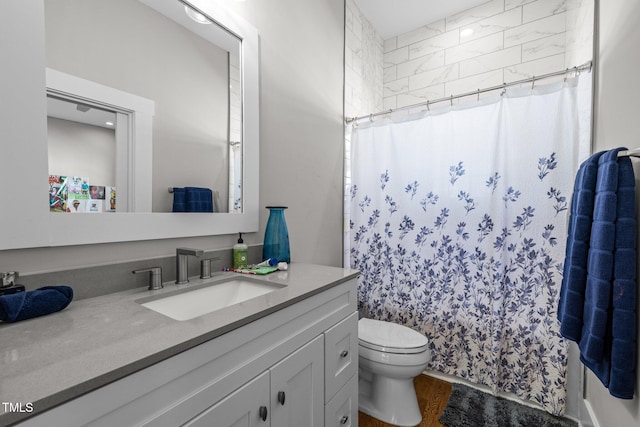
457 221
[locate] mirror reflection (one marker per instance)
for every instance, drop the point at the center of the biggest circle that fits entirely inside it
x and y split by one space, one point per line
194 84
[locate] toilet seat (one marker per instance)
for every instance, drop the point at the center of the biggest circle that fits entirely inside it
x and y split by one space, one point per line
390 337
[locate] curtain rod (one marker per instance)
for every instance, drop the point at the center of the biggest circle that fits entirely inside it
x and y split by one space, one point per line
584 67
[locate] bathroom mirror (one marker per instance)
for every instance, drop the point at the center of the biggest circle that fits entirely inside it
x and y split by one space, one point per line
173 56
27 80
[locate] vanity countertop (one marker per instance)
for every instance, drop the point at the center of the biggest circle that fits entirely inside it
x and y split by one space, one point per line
48 360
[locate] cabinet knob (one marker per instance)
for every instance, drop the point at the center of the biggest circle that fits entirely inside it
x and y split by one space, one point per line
281 397
344 353
262 412
344 419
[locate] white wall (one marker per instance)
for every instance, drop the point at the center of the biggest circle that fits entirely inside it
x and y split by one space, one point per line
617 124
301 138
79 149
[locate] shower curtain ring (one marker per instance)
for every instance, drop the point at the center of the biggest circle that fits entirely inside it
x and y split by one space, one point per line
478 94
533 82
371 117
451 100
428 109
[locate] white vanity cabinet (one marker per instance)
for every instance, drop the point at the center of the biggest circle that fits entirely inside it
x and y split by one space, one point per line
288 394
295 366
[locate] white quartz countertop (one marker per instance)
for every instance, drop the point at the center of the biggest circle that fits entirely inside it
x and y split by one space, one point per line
49 360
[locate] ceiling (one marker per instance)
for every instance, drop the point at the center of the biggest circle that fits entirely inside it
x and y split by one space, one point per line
393 17
80 113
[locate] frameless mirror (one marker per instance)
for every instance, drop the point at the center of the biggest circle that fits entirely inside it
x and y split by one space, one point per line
172 56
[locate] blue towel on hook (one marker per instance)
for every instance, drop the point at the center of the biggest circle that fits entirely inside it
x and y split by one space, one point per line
624 292
572 293
39 302
597 306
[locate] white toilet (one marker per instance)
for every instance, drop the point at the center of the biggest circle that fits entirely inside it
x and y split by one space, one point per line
390 357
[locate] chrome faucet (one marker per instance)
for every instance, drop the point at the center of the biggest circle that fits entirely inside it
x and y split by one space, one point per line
182 275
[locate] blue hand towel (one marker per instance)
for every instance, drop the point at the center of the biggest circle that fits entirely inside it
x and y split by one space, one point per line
199 199
192 199
179 199
25 305
572 293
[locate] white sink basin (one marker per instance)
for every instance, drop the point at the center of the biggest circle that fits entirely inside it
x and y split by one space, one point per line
208 297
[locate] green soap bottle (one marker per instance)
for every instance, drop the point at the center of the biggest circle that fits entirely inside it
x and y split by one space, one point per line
240 254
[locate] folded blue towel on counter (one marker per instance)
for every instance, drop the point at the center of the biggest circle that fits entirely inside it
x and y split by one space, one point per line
39 302
192 199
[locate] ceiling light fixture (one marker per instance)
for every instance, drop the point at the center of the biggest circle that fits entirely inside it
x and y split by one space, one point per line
109 123
196 16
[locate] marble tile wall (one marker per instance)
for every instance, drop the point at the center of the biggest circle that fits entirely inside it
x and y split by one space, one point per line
498 41
363 64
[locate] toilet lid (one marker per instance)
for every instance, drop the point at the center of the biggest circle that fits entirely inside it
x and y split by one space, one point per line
390 337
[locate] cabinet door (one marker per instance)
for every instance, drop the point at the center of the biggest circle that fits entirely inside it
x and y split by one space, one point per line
246 407
297 387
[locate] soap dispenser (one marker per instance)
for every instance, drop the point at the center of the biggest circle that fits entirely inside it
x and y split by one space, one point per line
240 253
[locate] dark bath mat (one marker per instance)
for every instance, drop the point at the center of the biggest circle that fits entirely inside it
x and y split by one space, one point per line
468 407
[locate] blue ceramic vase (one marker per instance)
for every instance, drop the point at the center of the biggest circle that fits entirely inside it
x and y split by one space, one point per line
276 236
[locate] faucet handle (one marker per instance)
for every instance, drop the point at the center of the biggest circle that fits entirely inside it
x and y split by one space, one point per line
155 277
205 267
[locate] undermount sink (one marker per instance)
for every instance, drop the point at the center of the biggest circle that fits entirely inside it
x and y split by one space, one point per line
207 297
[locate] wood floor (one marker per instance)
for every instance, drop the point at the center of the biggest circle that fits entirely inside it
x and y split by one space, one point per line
433 395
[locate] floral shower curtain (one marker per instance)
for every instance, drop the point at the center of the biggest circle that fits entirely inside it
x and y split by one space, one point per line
457 221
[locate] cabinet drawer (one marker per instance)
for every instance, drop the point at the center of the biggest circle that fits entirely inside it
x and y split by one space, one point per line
340 354
342 410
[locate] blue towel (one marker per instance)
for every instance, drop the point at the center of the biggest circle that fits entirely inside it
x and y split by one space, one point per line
179 200
199 199
574 276
601 259
623 323
192 199
25 305
598 297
